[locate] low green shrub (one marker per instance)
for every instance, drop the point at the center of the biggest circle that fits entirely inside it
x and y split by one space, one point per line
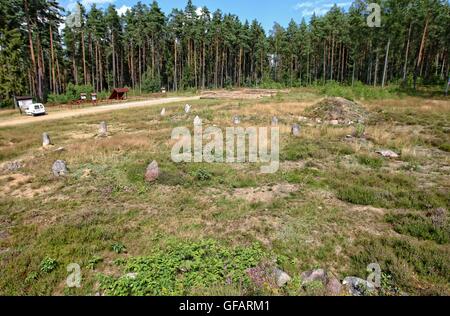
183 266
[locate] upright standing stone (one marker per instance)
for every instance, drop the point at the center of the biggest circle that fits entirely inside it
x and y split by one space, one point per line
152 172
59 168
46 140
236 120
274 121
187 108
197 121
103 129
163 112
295 130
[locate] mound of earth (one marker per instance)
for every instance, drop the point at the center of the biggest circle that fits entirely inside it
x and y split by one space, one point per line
338 109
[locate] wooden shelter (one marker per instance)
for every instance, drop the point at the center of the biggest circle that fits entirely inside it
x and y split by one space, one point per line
119 94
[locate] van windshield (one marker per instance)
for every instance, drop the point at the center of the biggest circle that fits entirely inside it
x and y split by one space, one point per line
37 107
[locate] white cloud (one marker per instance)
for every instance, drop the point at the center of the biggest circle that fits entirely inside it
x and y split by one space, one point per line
320 7
122 10
88 3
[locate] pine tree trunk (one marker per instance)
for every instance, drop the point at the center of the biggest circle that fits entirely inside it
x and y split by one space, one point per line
421 50
386 60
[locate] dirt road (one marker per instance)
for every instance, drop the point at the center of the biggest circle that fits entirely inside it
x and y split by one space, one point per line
93 110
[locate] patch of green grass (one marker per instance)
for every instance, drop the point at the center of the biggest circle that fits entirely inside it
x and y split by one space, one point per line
370 161
383 189
412 264
445 147
359 195
420 227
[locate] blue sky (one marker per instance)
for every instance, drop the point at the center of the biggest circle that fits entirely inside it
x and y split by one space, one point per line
266 11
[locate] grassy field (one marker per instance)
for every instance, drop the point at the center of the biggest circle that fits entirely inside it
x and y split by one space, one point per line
334 203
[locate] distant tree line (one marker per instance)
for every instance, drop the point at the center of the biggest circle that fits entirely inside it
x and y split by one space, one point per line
194 48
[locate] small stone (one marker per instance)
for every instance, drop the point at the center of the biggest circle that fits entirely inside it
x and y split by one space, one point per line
334 287
46 140
12 166
357 286
302 119
281 277
236 120
274 121
131 276
387 153
59 168
334 122
163 112
187 108
439 217
86 173
295 130
103 129
60 149
197 121
314 275
152 172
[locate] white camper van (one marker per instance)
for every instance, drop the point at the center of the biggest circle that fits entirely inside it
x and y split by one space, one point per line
35 109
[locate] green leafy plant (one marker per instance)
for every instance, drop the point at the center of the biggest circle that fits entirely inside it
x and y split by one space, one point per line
92 263
118 248
184 266
48 265
203 175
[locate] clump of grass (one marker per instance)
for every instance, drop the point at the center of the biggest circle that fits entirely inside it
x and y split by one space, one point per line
420 227
445 147
370 161
359 195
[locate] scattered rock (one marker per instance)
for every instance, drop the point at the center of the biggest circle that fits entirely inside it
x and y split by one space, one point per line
281 277
131 276
387 153
103 129
163 112
236 120
334 122
295 130
59 168
152 172
314 275
12 166
86 173
197 121
439 217
274 121
358 287
334 287
187 108
337 109
46 140
303 119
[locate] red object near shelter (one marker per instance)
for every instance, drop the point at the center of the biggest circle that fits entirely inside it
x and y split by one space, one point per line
119 94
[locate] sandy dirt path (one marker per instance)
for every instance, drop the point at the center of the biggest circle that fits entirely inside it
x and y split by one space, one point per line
93 110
